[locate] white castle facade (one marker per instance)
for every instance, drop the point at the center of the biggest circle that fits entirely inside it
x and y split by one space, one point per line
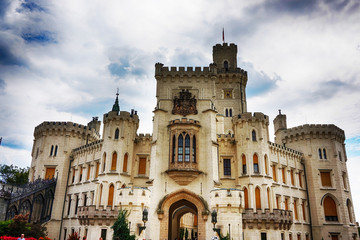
206 153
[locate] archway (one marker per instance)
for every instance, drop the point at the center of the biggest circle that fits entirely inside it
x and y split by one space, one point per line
176 205
177 218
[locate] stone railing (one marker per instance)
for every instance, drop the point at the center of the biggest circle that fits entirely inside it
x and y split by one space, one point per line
32 187
88 215
278 219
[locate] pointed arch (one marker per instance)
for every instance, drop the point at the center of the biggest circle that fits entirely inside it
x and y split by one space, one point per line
111 195
180 148
125 163
116 134
256 163
253 135
258 197
244 168
187 148
100 193
330 210
246 198
104 162
113 161
266 164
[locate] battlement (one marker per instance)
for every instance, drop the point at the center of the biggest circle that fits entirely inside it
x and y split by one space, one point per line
122 115
89 146
65 127
223 46
224 197
226 137
283 149
143 137
314 131
184 121
249 117
181 71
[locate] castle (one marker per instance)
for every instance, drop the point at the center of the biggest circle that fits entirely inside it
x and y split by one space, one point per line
208 167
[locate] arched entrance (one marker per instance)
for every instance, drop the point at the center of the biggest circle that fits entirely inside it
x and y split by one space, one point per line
179 218
178 204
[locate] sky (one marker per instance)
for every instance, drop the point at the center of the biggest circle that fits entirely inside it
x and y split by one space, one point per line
64 61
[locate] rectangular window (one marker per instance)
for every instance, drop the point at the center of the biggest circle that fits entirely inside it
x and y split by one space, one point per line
307 237
103 233
282 236
344 180
283 175
295 210
227 167
69 205
298 237
81 173
88 172
274 172
97 170
278 202
325 179
142 166
85 198
303 210
263 236
286 204
73 175
50 173
290 236
77 204
65 232
300 179
340 158
292 177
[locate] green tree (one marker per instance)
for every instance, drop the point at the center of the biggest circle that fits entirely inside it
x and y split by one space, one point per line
4 227
121 227
13 174
19 224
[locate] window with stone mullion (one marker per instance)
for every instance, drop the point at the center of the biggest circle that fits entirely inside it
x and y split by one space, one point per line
187 148
180 148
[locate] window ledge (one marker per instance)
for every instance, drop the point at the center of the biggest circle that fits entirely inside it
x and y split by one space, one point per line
328 188
113 172
256 175
284 185
268 176
294 187
243 175
95 180
125 174
276 183
227 178
141 177
333 223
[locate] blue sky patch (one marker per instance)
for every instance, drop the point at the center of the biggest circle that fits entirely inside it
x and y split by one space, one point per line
353 146
11 145
31 6
124 68
42 37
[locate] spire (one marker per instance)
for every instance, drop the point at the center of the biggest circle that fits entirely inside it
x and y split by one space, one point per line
116 106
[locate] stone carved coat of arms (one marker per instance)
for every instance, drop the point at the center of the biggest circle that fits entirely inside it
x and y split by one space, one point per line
185 104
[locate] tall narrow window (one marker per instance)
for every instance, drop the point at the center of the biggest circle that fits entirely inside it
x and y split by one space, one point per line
97 169
194 150
266 165
278 202
300 179
268 197
81 173
88 172
73 175
230 112
187 148
125 162
246 198
303 210
104 162
330 209
85 199
283 175
263 236
244 169
320 153
111 195
274 172
292 177
340 158
180 148
114 161
69 205
344 180
227 167
76 204
295 210
56 149
226 65
253 135
100 195
116 134
257 198
348 204
256 163
142 166
52 150
174 149
324 153
286 204
226 112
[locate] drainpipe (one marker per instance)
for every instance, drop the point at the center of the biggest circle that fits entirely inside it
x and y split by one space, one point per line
63 209
307 195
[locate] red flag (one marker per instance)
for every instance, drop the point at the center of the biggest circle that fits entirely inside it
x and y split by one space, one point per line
223 35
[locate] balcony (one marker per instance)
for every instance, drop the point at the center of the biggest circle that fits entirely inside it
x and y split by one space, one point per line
89 215
278 219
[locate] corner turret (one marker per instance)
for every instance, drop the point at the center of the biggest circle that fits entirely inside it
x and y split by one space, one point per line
280 122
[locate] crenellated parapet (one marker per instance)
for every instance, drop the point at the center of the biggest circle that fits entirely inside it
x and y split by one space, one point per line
284 150
122 116
63 128
314 131
161 71
249 117
143 138
134 196
227 197
88 147
229 138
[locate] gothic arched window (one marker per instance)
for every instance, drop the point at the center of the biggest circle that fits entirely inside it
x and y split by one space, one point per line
253 135
257 198
187 148
246 198
114 161
111 195
330 209
244 170
226 65
125 162
117 133
256 163
180 148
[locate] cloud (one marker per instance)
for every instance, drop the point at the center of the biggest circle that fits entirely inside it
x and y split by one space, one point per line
10 50
31 6
39 37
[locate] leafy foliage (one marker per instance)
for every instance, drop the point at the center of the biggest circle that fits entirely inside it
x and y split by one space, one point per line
19 224
121 227
13 174
74 236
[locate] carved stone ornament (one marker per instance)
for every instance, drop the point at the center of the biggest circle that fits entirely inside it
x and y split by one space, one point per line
185 104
